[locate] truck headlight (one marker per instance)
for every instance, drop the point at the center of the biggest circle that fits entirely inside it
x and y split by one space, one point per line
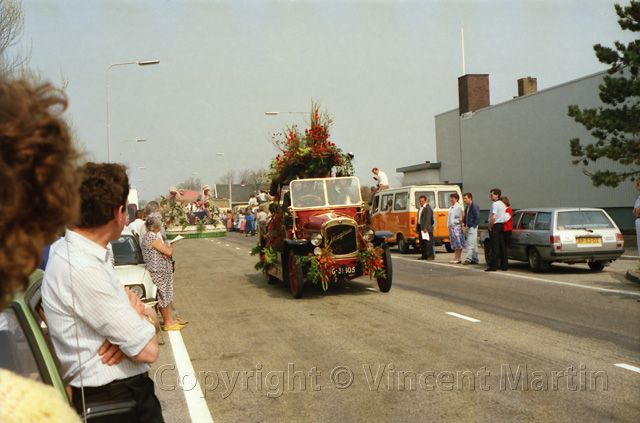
316 238
368 234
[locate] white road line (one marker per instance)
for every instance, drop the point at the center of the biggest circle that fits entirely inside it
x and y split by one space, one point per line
227 245
460 316
237 248
511 274
628 367
196 403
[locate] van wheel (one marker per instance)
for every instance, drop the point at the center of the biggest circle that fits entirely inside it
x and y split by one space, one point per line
536 264
596 265
447 245
403 247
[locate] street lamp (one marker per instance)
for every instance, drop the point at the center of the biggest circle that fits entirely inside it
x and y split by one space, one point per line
139 63
282 113
228 176
122 142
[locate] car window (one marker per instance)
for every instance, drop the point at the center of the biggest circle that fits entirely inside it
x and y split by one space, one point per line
527 221
431 196
401 201
387 201
15 351
516 220
126 250
587 219
376 202
443 199
307 193
543 222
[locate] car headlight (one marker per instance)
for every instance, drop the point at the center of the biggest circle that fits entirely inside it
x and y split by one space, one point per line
368 234
138 290
316 238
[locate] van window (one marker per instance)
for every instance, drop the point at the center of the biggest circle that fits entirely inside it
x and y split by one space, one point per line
543 221
527 221
443 199
431 196
387 200
401 200
376 202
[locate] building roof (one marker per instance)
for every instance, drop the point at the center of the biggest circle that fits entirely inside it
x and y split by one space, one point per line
421 166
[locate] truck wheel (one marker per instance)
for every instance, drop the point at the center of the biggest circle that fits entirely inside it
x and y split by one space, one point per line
384 283
296 276
447 245
403 247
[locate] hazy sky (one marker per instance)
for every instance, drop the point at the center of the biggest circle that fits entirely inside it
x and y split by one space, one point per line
382 68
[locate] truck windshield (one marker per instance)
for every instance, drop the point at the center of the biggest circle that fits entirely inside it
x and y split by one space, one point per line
325 192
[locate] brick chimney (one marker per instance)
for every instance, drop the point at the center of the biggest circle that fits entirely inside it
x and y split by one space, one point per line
527 85
473 93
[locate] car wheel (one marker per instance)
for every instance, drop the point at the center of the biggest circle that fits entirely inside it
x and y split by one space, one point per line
536 264
447 245
296 276
403 247
384 283
488 253
596 265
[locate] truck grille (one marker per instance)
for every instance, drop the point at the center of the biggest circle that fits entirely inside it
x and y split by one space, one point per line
343 239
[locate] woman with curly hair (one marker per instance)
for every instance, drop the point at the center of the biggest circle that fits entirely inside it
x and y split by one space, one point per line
38 197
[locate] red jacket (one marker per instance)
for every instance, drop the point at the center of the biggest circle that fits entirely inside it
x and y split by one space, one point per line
508 225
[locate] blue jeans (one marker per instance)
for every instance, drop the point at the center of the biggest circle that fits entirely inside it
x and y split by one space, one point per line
472 244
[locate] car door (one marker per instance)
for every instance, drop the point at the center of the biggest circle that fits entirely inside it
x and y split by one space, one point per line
521 235
541 234
513 249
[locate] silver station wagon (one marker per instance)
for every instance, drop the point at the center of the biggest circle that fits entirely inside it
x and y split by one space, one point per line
567 235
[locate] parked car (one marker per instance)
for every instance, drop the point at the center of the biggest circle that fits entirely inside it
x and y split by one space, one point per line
320 215
567 235
130 267
396 210
26 349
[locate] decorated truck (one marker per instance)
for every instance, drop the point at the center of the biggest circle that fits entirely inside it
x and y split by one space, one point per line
318 231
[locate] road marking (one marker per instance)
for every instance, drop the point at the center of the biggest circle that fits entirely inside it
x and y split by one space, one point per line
237 248
228 245
575 285
460 316
196 403
628 367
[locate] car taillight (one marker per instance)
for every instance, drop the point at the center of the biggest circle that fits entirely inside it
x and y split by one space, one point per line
620 240
555 242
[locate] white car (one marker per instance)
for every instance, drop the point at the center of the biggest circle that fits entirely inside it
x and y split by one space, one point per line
567 235
130 267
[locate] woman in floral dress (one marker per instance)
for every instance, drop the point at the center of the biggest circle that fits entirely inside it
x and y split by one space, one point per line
454 223
157 255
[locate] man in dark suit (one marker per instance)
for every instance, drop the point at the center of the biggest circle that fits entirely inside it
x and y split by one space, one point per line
424 227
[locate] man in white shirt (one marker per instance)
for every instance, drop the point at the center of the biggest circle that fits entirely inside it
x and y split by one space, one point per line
381 177
496 232
85 303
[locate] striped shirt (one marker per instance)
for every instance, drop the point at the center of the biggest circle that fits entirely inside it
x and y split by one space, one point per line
103 312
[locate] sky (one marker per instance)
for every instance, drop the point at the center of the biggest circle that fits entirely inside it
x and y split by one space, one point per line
382 68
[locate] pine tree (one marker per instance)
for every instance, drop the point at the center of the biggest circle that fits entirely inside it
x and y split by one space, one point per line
615 126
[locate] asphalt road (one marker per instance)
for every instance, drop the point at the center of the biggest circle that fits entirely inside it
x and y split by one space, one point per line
447 343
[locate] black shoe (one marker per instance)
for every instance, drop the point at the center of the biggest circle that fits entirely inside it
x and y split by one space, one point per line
490 270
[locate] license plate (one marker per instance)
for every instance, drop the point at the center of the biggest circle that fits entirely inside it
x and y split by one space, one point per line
589 241
344 270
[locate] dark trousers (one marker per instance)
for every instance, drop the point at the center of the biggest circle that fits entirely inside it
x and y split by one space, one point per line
425 246
137 388
498 246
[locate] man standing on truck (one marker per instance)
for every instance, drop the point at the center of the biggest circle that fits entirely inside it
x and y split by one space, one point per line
471 220
424 229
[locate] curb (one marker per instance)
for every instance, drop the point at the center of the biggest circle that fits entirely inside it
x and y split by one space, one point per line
632 276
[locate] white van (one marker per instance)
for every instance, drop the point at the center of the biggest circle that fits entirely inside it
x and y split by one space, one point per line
396 210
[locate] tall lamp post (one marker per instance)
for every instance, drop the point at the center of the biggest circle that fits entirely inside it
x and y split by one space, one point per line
229 177
139 63
122 142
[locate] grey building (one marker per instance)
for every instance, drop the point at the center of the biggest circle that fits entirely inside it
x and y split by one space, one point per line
522 147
